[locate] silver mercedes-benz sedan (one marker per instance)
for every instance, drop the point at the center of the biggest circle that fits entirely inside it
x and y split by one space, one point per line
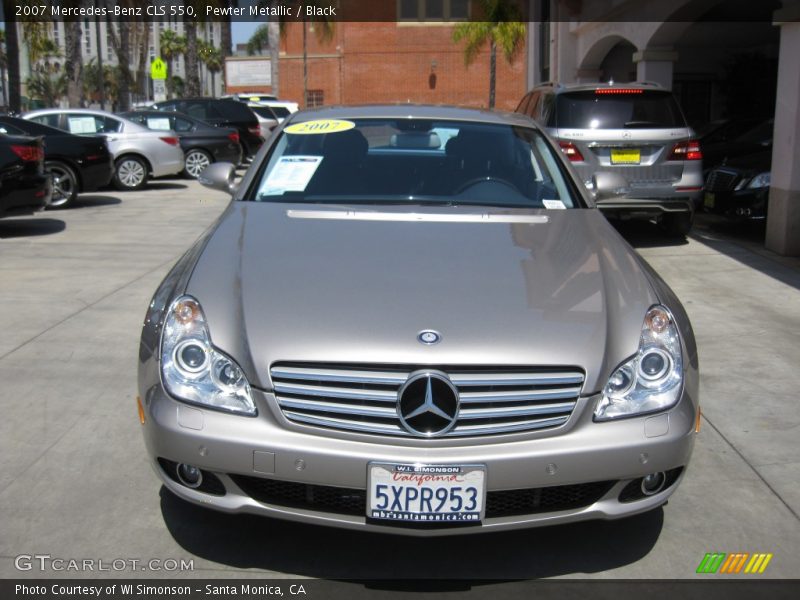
414 320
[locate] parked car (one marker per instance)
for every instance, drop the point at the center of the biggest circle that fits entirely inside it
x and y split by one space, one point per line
138 152
221 113
414 320
202 143
280 109
266 117
635 130
739 189
25 186
77 163
738 138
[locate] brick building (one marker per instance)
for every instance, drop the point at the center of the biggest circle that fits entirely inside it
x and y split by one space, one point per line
402 61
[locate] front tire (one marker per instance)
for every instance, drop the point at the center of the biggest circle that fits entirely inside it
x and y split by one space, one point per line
65 184
196 162
130 173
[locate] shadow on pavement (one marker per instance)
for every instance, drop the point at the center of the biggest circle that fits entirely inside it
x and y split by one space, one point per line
645 234
91 200
248 541
164 185
34 226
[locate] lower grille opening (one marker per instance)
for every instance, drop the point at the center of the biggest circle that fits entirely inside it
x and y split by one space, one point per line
351 501
633 491
210 484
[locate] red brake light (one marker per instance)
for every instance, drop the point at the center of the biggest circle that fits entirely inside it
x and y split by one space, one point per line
618 91
571 151
29 153
172 141
234 137
689 150
255 130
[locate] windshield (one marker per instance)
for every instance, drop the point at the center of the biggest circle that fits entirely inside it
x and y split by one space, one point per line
414 161
622 109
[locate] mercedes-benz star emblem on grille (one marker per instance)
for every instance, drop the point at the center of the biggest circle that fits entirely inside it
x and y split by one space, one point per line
429 336
427 404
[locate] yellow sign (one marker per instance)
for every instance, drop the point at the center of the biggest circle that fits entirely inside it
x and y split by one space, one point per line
626 157
320 126
158 69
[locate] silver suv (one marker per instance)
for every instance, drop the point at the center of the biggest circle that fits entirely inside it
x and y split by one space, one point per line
635 131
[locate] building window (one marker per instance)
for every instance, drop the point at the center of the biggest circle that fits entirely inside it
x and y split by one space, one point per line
433 10
56 39
315 98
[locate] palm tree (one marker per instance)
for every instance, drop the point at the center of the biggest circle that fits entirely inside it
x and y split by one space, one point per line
502 27
49 87
192 77
213 59
172 46
73 64
259 40
3 66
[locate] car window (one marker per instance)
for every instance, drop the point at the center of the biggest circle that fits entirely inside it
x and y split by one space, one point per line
263 111
201 110
182 125
158 123
11 129
136 118
617 108
762 134
281 111
50 119
415 161
82 123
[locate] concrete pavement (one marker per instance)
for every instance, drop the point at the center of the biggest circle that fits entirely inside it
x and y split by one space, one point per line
75 481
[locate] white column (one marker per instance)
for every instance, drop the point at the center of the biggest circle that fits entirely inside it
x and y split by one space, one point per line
655 64
783 220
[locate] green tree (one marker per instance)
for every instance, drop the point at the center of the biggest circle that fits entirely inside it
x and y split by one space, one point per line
213 59
93 81
49 87
259 40
172 46
192 76
73 63
502 27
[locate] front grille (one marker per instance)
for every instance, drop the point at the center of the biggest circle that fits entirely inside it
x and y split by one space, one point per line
364 398
350 501
721 180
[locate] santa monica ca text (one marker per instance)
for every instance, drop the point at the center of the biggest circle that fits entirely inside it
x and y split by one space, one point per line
244 589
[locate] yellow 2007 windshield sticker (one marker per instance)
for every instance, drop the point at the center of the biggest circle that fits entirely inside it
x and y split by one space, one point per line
320 126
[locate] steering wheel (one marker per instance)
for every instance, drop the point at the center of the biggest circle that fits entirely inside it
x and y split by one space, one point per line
487 179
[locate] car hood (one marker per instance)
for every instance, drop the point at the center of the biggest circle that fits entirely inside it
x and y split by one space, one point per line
316 283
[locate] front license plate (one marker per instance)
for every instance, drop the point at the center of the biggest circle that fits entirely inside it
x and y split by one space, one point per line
708 200
626 156
428 493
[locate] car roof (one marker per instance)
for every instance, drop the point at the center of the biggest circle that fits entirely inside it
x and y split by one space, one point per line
412 111
82 111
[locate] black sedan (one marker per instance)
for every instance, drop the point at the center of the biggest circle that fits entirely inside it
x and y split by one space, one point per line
739 189
77 163
202 143
25 186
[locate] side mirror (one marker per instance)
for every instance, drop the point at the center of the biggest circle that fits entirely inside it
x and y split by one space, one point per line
219 176
608 185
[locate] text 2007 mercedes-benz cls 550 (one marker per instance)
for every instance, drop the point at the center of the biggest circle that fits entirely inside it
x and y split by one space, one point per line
414 320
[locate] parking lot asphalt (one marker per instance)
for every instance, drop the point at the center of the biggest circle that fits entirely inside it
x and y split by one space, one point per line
75 481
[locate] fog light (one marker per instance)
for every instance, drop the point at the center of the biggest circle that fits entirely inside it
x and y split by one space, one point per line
653 483
189 475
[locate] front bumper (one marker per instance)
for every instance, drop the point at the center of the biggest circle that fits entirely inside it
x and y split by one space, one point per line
236 449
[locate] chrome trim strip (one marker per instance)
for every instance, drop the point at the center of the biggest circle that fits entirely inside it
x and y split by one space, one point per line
356 376
465 430
334 423
474 379
335 392
514 411
348 409
357 215
517 396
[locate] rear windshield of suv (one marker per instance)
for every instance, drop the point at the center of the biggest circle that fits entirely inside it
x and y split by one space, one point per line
610 108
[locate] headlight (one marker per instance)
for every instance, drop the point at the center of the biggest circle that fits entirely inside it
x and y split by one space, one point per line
652 380
761 180
193 370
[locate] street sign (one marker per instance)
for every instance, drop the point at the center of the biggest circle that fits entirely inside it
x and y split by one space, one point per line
159 90
158 69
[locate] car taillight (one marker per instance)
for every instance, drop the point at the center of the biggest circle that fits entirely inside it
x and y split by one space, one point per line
234 137
618 91
255 130
689 150
172 141
571 151
29 153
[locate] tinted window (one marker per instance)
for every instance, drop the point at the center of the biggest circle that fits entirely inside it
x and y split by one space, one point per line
11 129
263 111
281 111
235 111
51 120
182 125
417 161
611 109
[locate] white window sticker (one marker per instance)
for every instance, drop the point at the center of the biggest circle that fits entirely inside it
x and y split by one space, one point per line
82 125
159 123
291 174
553 204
